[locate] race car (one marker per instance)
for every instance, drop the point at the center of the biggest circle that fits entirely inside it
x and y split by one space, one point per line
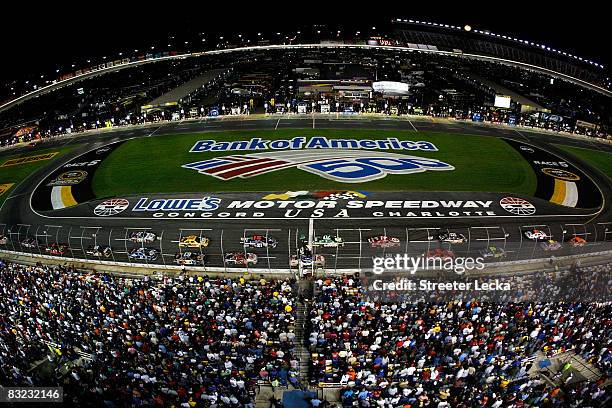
56 249
536 235
493 252
99 251
577 241
439 253
194 241
550 245
143 254
190 258
384 241
302 240
328 241
29 242
3 239
258 241
240 258
452 238
305 259
144 237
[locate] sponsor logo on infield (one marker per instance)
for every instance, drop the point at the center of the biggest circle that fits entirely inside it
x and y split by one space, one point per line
317 143
347 166
5 187
111 207
69 178
560 174
28 159
343 160
517 206
177 204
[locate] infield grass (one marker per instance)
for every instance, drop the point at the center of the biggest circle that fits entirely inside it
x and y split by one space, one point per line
153 165
596 158
17 173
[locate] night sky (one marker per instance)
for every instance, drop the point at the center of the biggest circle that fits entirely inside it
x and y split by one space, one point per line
43 38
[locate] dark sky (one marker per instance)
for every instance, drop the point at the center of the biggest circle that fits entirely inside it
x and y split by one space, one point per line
41 38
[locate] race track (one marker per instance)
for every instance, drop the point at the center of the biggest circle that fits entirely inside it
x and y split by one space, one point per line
19 220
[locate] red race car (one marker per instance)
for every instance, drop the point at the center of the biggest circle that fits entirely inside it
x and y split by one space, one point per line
56 249
577 241
384 241
440 253
240 258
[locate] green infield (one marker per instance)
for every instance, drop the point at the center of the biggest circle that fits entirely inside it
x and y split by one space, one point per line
596 158
153 165
16 168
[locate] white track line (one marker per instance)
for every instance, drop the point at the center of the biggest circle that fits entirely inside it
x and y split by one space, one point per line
411 124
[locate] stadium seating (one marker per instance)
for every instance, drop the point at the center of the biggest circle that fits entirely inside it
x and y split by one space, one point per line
458 353
208 342
145 342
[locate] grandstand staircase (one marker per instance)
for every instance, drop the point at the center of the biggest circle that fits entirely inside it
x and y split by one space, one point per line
305 293
266 392
301 351
584 369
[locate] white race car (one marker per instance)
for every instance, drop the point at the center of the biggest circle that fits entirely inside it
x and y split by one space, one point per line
384 241
190 258
258 241
536 235
99 251
144 237
452 238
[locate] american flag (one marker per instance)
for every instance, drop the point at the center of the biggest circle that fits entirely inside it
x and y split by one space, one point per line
229 167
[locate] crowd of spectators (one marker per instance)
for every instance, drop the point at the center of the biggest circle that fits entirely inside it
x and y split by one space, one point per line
185 341
112 99
459 353
206 342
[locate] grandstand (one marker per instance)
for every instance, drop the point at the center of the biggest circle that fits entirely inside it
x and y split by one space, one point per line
182 92
233 341
427 55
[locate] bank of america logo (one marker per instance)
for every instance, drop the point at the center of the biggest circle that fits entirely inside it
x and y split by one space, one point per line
348 166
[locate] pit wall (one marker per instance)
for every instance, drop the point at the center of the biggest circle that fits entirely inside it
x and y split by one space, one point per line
139 270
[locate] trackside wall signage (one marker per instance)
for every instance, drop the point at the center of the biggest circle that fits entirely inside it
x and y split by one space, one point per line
342 160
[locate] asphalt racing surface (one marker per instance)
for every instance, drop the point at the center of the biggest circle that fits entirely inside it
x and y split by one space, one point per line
417 236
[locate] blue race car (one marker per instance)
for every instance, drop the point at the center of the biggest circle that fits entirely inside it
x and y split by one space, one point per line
143 254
